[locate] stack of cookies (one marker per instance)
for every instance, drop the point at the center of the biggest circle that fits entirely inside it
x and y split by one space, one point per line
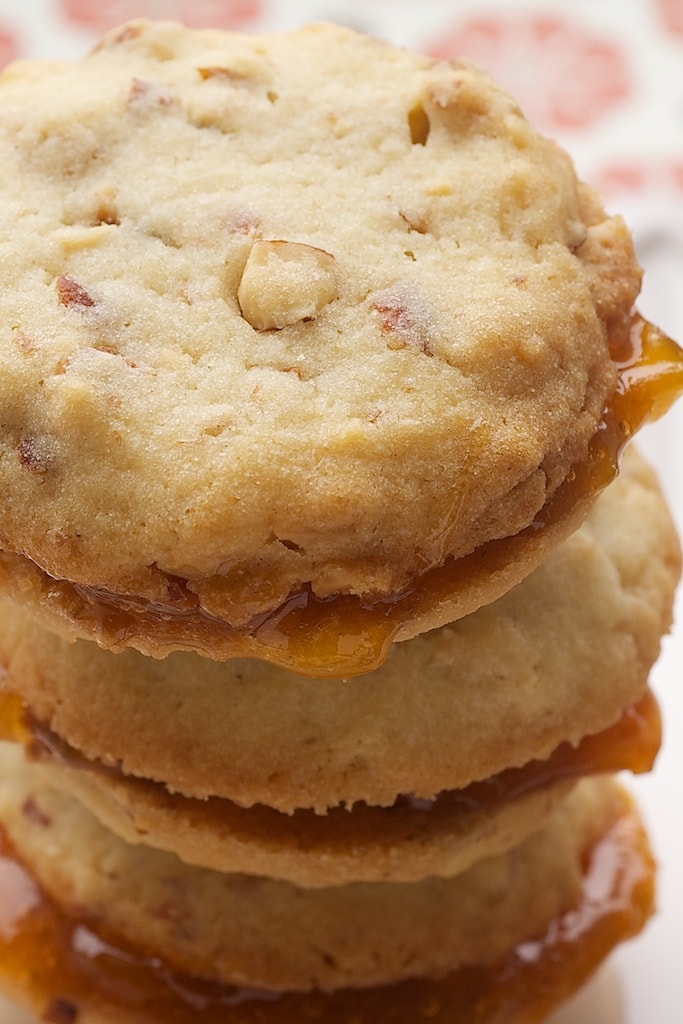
325 616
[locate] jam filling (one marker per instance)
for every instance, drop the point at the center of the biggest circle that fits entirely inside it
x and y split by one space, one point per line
59 964
631 743
345 635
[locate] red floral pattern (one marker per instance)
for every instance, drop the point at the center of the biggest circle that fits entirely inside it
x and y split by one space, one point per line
102 15
563 76
671 12
654 176
9 48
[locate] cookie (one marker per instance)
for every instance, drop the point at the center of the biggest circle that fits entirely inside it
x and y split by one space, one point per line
269 935
407 842
556 659
296 320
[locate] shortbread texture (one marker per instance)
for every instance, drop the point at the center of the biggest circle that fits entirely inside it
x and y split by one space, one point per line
262 933
559 657
290 310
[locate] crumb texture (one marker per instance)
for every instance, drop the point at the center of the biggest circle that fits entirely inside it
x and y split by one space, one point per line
557 658
297 309
267 934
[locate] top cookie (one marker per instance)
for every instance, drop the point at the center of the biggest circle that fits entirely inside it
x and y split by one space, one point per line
287 312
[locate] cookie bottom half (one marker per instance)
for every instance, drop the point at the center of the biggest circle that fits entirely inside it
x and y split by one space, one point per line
67 966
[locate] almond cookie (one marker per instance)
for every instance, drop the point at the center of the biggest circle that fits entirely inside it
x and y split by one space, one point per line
291 321
558 658
410 840
105 980
269 935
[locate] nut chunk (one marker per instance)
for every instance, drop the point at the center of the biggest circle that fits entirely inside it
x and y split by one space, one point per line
284 282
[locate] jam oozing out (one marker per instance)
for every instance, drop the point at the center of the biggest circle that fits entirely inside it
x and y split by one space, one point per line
345 635
13 725
59 964
631 743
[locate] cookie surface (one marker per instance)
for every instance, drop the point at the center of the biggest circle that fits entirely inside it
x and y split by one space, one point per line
532 978
406 843
558 658
292 311
265 934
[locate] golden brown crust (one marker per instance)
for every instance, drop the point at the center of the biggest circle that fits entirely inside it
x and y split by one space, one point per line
447 368
268 934
428 720
405 843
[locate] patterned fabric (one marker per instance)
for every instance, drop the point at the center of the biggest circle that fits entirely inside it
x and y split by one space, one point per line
100 16
586 74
